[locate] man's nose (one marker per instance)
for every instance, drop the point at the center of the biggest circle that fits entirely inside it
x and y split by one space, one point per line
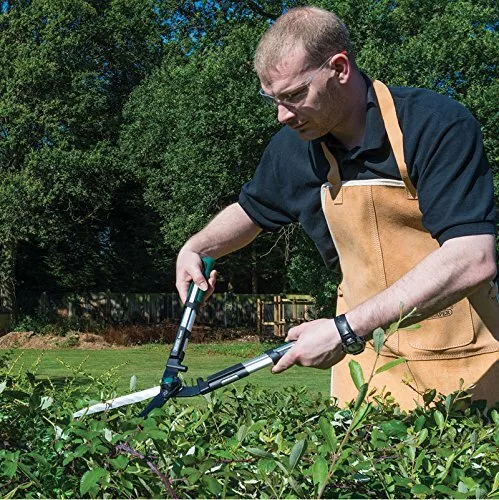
284 114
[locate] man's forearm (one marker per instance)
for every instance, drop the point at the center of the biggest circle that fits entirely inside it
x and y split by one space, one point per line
443 278
229 231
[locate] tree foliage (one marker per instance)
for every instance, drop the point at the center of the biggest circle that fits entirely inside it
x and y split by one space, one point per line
125 126
66 70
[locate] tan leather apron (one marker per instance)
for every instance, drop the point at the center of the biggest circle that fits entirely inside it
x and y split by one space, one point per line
376 226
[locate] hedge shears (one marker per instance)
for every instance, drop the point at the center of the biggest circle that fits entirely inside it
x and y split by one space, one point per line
171 385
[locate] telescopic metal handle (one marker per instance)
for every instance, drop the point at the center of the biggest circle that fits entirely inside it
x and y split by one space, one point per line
241 370
194 298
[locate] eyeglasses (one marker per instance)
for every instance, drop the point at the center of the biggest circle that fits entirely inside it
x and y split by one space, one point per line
295 96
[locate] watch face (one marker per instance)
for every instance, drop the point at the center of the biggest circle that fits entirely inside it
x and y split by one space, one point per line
355 347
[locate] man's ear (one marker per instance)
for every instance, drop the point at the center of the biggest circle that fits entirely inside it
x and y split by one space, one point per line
341 64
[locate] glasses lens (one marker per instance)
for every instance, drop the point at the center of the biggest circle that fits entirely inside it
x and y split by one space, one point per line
267 98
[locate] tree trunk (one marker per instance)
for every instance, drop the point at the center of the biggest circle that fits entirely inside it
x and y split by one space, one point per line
254 272
8 253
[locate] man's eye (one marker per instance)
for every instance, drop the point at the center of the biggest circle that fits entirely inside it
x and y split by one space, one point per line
294 96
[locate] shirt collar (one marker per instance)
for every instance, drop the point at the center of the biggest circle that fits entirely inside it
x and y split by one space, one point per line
375 133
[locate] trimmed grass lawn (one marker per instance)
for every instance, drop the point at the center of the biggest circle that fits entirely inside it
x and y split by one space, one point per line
147 364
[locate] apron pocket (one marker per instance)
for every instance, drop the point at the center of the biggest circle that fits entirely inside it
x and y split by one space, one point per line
446 333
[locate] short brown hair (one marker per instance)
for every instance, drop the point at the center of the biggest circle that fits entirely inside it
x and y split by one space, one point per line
320 32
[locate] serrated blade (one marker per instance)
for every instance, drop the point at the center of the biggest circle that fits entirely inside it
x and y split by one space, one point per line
129 399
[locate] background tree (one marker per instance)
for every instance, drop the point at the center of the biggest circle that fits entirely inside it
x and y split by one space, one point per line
195 132
66 69
126 125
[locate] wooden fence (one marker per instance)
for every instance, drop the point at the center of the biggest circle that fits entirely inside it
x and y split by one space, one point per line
282 313
266 313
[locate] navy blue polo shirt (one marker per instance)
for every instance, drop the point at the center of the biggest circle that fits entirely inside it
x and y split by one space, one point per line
445 159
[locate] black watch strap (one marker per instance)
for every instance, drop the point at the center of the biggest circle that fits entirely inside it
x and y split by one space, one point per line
352 343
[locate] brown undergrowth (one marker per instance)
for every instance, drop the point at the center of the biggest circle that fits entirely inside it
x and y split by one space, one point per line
122 336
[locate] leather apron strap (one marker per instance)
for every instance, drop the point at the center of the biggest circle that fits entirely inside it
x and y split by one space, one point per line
389 115
333 175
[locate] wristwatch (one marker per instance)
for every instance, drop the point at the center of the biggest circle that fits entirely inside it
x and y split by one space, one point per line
352 343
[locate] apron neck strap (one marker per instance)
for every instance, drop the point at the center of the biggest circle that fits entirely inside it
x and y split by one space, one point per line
395 137
333 175
389 115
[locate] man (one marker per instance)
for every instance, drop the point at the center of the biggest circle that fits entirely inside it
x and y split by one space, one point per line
407 200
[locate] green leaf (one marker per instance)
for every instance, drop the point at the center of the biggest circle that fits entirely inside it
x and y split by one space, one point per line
328 432
447 491
13 493
194 477
416 326
207 465
91 478
266 466
151 434
448 402
439 419
411 452
421 436
390 364
361 415
419 423
482 449
242 432
421 489
257 452
429 396
133 383
419 460
320 469
296 487
297 452
394 428
9 468
46 402
120 462
361 396
468 482
213 485
39 458
379 339
495 486
3 385
356 373
108 435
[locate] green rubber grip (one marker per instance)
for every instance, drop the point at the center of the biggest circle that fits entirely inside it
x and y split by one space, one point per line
208 265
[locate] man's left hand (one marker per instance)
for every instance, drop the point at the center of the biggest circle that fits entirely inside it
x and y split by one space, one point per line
318 344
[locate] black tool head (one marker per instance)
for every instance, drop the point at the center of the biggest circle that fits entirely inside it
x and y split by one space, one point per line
167 391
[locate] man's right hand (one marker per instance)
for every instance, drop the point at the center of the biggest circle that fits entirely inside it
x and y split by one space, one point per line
190 268
230 230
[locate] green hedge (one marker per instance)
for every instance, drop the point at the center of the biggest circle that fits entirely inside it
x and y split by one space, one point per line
241 442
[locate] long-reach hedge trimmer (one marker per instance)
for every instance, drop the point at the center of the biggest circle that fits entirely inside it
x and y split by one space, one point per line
171 385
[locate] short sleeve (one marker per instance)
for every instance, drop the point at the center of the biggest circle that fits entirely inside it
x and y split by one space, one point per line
454 182
261 198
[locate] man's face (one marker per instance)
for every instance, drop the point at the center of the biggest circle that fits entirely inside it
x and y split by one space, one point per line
307 99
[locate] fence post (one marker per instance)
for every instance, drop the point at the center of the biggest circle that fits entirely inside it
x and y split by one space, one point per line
277 315
282 323
259 320
225 309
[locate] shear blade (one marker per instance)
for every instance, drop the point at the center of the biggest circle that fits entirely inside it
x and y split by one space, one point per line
160 398
129 399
